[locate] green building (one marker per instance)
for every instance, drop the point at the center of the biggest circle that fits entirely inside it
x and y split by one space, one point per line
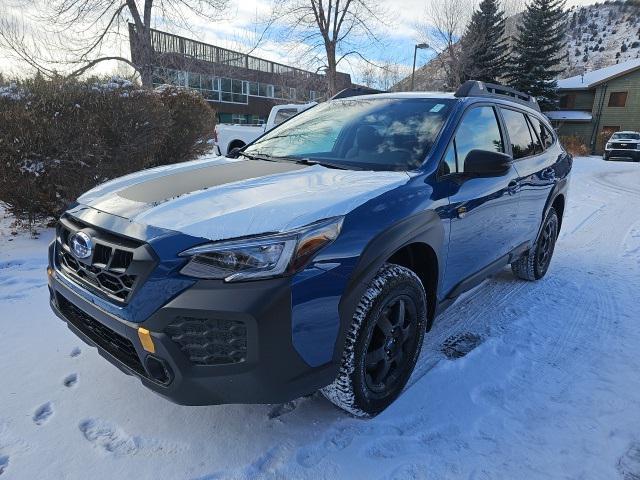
598 103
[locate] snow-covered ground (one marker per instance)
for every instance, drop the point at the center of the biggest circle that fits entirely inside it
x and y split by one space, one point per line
551 389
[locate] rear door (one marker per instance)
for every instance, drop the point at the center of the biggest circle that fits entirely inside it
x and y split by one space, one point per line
529 140
483 210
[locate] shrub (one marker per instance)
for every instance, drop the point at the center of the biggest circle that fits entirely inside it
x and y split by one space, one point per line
574 145
58 139
192 125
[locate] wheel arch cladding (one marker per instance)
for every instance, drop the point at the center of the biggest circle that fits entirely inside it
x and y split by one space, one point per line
558 204
422 233
422 260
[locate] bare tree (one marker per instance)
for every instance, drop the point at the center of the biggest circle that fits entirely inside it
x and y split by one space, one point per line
382 77
328 31
54 35
442 28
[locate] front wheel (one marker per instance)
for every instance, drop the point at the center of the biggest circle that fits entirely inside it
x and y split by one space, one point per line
382 344
534 264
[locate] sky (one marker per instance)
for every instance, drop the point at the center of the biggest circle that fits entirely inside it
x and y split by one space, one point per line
238 30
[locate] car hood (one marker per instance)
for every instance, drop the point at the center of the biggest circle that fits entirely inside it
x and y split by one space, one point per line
219 198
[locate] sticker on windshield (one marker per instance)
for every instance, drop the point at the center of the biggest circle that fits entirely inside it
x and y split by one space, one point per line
436 108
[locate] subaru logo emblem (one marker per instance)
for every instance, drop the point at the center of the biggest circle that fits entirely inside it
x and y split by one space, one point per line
81 245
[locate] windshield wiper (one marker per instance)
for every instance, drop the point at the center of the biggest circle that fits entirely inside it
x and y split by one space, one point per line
266 158
322 163
302 161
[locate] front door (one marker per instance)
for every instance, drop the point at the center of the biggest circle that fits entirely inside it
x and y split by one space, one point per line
482 210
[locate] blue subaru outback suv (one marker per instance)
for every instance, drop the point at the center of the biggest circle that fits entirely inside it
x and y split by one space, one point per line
320 256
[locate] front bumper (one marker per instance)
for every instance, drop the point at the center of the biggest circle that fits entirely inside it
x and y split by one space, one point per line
622 154
271 371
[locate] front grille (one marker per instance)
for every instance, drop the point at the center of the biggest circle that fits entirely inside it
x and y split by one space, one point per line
210 341
117 345
113 271
623 146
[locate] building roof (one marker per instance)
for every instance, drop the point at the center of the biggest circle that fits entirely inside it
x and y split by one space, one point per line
569 115
596 77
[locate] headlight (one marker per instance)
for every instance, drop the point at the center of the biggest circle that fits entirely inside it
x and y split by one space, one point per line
607 146
263 256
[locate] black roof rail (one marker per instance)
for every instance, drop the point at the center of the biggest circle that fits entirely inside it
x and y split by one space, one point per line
476 88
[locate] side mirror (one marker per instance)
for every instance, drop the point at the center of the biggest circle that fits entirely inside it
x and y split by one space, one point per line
485 163
234 153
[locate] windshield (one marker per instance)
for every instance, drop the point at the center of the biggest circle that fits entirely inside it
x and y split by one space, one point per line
628 136
359 133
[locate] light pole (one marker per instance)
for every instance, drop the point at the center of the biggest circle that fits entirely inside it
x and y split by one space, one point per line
420 46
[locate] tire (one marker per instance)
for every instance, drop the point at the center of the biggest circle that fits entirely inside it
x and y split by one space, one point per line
534 264
397 297
235 144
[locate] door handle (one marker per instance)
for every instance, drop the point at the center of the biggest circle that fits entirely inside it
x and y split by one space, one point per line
549 173
513 187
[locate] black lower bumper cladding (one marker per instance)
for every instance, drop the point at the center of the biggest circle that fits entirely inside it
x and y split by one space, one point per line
117 345
212 345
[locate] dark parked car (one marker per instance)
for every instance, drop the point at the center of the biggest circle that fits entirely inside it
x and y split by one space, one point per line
320 256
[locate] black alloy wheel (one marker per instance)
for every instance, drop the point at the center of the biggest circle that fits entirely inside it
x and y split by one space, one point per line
546 245
382 344
392 340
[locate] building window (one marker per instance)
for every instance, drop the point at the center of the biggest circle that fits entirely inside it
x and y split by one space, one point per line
238 118
181 78
269 91
568 100
292 93
617 99
233 91
194 80
312 95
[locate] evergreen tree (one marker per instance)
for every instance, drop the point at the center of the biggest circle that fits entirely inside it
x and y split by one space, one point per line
484 44
537 51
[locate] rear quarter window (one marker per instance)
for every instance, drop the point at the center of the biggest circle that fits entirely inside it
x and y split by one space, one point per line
541 130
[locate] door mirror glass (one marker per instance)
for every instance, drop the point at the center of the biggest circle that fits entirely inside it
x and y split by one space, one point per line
486 163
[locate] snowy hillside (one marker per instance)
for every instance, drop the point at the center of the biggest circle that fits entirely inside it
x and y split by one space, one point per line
517 380
598 36
602 35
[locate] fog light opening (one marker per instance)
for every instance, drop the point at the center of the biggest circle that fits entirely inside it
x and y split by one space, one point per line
158 370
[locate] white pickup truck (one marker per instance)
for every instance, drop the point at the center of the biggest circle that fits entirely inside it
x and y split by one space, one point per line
229 137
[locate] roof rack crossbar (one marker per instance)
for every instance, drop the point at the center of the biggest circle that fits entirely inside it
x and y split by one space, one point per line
476 88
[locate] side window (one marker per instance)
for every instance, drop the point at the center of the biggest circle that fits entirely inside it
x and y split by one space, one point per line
542 131
479 130
284 114
522 143
547 137
535 137
448 164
